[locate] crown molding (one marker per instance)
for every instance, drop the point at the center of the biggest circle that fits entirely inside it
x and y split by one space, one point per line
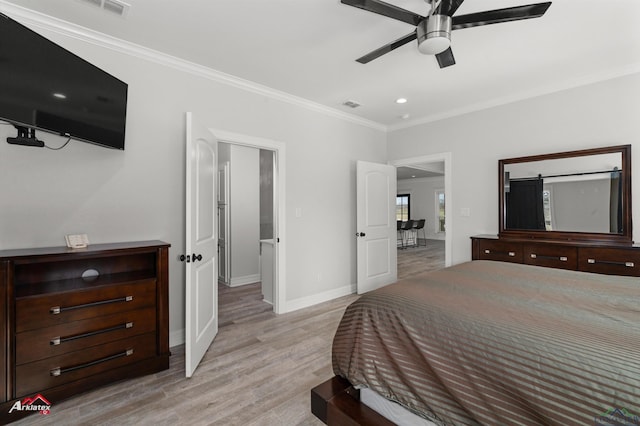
516 97
45 22
67 29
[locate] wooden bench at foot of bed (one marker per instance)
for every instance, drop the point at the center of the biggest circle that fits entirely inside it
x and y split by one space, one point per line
337 402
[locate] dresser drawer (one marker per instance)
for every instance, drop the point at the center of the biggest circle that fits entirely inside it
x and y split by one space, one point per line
500 250
59 339
38 376
552 256
40 311
609 260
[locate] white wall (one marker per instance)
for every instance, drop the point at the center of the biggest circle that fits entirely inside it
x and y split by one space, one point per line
423 202
244 212
596 115
139 194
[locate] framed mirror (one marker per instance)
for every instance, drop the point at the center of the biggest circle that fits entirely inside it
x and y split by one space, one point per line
577 195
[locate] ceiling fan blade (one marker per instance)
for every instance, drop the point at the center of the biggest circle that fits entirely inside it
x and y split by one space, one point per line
449 7
387 48
446 59
385 9
499 15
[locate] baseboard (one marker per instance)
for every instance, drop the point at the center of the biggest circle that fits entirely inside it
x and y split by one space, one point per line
305 302
247 279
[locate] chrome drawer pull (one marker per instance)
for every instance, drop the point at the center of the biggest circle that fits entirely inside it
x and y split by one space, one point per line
57 309
609 262
560 258
59 371
510 253
57 340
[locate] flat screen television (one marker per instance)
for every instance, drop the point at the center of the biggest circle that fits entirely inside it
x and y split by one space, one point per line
44 86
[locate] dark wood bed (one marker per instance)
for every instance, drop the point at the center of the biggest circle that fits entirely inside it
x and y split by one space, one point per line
488 342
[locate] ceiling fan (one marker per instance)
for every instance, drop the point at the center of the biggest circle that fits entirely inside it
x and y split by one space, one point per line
433 32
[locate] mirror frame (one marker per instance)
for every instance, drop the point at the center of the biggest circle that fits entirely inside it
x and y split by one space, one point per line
626 238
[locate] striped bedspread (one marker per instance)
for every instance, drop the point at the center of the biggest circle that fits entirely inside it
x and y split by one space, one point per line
496 343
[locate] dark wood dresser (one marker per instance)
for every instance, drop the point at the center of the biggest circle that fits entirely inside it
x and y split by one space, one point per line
74 319
574 255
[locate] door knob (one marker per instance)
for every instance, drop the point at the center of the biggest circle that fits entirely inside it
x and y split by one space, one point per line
360 234
196 257
183 258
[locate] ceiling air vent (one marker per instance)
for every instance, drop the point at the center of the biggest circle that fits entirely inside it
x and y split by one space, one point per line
118 7
351 104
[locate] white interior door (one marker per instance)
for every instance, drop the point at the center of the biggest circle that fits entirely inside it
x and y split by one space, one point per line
201 244
376 225
223 223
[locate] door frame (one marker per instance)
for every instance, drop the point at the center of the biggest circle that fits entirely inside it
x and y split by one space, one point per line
445 157
279 206
224 171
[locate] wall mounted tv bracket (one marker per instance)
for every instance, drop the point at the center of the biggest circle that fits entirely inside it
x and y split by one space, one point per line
26 136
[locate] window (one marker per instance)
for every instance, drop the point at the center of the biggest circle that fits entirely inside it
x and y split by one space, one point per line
440 223
402 207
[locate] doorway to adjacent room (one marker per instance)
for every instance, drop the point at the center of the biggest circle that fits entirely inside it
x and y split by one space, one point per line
251 197
422 208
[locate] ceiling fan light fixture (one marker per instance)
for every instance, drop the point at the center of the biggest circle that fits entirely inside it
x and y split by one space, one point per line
434 34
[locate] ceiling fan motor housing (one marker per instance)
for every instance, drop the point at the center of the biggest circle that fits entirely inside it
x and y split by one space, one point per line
434 34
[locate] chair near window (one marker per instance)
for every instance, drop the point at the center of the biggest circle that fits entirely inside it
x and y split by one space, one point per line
417 227
406 229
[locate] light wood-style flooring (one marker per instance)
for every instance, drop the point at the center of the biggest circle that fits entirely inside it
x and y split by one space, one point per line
424 258
258 372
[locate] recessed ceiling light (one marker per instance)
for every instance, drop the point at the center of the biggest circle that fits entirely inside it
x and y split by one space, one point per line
413 176
401 101
60 95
